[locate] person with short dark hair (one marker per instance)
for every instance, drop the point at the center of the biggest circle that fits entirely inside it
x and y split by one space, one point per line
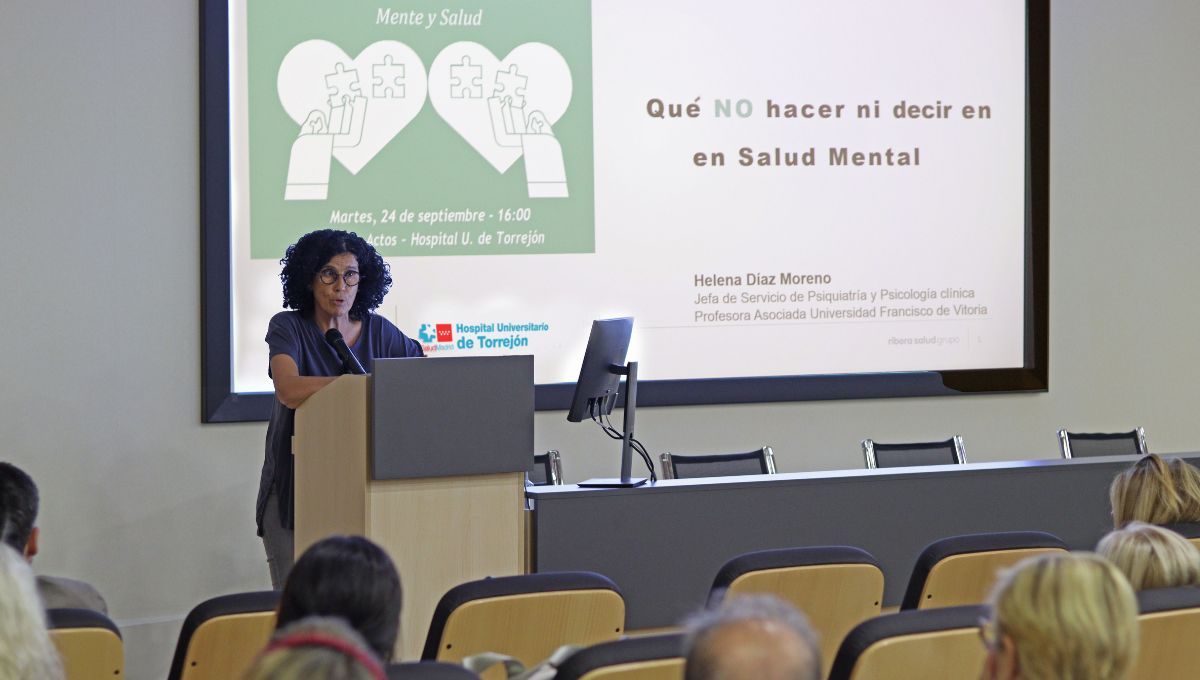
351 578
753 637
18 509
331 280
18 529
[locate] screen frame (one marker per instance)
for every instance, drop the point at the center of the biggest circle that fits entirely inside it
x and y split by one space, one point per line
219 403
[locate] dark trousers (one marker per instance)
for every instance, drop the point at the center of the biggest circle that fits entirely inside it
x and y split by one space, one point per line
279 542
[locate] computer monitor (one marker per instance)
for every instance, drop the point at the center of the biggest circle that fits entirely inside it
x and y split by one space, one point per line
598 385
596 390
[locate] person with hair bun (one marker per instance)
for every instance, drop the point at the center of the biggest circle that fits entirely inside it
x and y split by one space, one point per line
332 280
1061 616
1146 492
1151 556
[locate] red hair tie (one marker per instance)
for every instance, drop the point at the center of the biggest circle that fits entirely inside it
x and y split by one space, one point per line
331 642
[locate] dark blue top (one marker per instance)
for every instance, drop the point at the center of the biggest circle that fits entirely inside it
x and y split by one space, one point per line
298 337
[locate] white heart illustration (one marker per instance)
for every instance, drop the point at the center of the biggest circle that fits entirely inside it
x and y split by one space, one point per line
368 99
467 84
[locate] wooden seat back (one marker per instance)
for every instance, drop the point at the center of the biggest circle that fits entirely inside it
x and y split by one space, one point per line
968 578
530 626
1168 645
835 597
225 646
90 653
937 655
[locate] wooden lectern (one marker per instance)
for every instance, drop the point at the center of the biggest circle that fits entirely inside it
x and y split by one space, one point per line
425 457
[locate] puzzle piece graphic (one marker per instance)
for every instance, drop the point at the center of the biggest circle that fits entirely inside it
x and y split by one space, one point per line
510 84
388 79
466 80
342 84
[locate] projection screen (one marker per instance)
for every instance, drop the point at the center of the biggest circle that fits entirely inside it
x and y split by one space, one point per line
794 199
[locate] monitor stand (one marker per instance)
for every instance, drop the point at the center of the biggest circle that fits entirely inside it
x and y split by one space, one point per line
624 481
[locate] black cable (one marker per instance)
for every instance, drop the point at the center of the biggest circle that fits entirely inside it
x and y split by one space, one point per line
634 443
637 446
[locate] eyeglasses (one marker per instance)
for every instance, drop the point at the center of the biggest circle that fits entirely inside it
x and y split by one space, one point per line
329 275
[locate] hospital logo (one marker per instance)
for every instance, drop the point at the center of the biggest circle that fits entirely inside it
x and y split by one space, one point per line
427 333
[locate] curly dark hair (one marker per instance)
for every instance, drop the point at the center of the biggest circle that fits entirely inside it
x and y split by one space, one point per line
305 258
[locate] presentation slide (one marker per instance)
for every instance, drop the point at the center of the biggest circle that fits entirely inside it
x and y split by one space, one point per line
769 187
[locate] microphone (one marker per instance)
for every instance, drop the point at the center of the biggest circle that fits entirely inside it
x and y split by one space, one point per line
349 361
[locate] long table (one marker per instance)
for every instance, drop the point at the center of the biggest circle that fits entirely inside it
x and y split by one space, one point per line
663 544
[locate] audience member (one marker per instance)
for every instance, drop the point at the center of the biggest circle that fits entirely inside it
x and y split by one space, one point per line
1145 492
349 577
317 648
18 514
26 651
1061 616
1151 556
757 637
1187 484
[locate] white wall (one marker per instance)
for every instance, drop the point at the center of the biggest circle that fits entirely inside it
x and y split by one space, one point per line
99 279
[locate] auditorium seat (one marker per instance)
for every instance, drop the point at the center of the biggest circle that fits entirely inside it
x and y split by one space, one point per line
427 670
960 570
547 469
652 657
931 644
837 587
221 636
1169 626
1091 444
757 462
526 617
88 642
949 452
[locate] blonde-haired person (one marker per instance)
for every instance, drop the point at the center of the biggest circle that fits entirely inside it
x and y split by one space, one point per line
26 651
1061 616
317 648
1151 556
1187 484
1145 492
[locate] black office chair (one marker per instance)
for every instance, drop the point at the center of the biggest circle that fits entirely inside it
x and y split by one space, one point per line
931 644
757 462
1091 444
960 570
629 659
547 469
949 452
